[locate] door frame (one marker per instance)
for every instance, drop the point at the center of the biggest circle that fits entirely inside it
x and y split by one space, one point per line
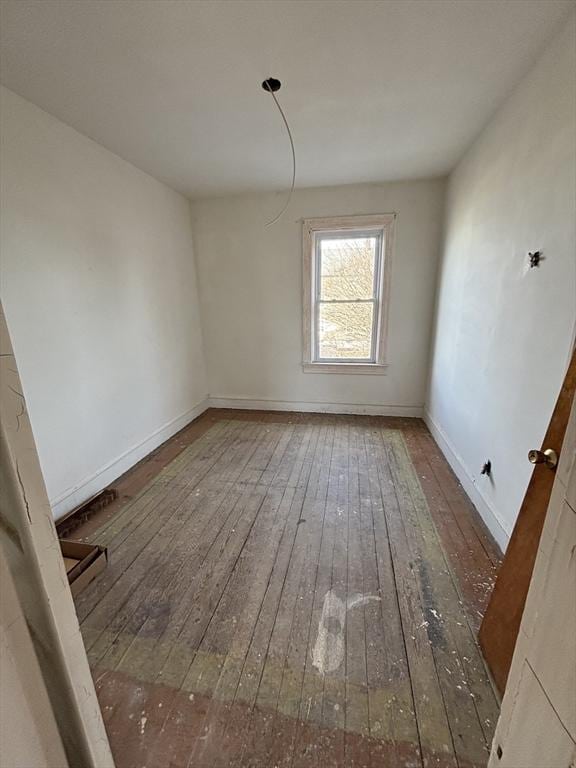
32 551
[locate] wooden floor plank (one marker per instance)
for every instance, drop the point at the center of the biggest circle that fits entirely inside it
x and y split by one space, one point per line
393 724
291 590
357 702
309 745
465 549
157 505
270 689
334 620
457 654
190 665
162 641
191 546
283 726
241 731
218 665
470 521
117 528
434 731
112 614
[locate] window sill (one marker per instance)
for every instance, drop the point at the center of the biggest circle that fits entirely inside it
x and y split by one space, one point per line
375 369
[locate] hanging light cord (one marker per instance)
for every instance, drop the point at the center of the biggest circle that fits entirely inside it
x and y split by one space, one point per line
275 219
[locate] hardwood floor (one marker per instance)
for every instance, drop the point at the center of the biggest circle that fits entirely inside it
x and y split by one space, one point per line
292 590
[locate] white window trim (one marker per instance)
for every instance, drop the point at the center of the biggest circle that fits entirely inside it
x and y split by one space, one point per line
383 222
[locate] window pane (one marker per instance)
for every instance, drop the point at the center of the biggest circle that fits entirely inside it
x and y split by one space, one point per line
345 331
347 267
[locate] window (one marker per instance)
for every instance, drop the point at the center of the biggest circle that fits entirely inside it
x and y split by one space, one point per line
346 268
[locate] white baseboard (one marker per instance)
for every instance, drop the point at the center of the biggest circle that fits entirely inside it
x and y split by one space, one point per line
84 490
413 411
487 512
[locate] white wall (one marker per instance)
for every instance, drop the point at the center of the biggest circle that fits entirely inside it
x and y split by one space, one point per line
99 289
504 331
250 280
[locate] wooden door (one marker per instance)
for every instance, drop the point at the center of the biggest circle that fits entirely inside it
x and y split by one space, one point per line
537 724
501 622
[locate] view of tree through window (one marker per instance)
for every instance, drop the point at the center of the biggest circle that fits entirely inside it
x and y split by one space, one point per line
346 297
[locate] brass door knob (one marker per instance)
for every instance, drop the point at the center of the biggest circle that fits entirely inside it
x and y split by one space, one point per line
548 457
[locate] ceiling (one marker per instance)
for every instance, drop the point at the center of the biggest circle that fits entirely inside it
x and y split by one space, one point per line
373 90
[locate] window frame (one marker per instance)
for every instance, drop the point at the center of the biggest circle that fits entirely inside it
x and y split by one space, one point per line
312 232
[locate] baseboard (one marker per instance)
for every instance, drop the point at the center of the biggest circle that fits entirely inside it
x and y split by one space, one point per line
411 411
73 497
487 512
